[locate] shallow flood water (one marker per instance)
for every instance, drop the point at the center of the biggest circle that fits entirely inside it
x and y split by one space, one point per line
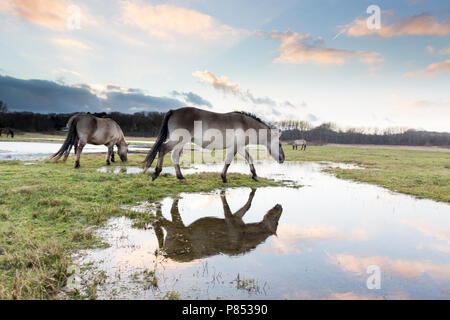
317 241
19 150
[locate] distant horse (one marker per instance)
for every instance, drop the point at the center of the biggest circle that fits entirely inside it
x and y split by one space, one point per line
296 143
210 236
86 128
232 131
8 132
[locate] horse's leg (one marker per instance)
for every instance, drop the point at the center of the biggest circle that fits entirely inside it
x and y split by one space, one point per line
165 148
240 213
229 157
112 155
243 152
75 144
79 150
108 155
176 153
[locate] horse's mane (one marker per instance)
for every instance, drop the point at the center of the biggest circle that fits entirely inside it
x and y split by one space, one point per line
255 117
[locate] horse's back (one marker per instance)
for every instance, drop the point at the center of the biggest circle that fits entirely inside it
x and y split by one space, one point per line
187 116
96 130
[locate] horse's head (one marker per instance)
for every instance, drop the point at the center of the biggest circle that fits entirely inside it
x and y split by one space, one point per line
122 151
274 145
271 218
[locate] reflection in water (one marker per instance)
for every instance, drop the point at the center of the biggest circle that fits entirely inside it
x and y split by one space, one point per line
330 231
209 236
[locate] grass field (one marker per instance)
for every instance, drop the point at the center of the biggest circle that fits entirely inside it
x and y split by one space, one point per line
48 210
422 173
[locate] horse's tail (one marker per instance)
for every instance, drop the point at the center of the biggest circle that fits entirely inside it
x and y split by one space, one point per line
70 139
162 136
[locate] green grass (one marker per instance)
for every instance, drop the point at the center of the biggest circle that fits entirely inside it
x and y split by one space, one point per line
48 210
422 173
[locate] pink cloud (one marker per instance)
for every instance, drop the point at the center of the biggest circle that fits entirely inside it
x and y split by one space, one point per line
169 21
432 70
294 50
51 14
421 24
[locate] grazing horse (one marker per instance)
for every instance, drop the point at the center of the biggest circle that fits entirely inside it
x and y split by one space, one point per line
232 131
8 132
296 143
86 128
210 236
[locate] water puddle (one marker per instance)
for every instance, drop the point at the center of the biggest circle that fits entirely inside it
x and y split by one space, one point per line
18 150
314 242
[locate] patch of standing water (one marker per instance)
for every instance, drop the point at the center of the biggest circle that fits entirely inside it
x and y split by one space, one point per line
237 244
18 150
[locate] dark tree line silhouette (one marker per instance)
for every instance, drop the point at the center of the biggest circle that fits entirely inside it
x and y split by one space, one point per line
329 133
140 124
147 124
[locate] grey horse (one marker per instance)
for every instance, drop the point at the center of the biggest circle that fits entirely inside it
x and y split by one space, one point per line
232 131
86 128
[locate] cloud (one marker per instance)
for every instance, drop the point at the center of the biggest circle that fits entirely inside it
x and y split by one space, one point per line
403 268
270 108
423 24
168 22
70 43
51 14
50 97
220 83
292 238
193 98
295 50
432 70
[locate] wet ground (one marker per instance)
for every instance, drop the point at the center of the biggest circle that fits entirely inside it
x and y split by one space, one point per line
18 150
329 239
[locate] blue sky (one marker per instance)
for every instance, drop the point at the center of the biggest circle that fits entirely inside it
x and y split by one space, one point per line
278 59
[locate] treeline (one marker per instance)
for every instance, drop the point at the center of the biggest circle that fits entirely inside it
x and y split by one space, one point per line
147 124
140 124
329 133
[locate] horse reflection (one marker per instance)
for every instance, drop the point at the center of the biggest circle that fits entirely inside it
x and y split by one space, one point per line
210 236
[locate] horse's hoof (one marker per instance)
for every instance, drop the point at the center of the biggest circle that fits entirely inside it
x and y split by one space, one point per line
181 178
77 165
255 178
224 180
154 176
108 163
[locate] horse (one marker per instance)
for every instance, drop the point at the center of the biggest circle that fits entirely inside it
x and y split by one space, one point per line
8 132
232 131
296 143
210 236
87 128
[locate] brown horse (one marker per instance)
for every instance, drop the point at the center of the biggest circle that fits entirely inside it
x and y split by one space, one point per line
86 128
8 132
232 131
210 236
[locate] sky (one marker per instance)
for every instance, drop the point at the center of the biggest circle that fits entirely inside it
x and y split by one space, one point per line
355 63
